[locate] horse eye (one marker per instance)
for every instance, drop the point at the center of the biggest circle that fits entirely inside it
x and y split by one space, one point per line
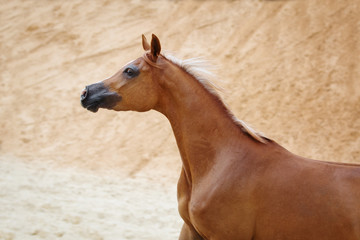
129 72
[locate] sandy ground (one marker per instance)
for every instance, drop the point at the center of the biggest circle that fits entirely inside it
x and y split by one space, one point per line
289 68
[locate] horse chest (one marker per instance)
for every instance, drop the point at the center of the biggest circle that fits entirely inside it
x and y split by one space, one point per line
193 211
212 213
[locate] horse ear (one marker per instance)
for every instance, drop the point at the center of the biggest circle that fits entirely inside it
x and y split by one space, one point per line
155 47
145 43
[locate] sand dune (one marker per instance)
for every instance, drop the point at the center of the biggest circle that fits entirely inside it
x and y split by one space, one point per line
289 68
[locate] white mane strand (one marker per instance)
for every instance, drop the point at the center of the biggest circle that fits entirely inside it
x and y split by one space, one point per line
199 68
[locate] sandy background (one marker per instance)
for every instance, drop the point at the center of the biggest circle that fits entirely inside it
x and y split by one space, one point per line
289 68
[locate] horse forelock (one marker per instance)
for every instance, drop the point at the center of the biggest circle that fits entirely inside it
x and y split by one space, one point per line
199 69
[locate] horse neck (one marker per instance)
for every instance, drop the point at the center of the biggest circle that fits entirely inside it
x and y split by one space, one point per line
202 125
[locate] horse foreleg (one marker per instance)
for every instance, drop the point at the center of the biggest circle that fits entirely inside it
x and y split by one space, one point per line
189 233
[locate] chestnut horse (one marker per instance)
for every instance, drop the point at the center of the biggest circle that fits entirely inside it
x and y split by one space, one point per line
234 183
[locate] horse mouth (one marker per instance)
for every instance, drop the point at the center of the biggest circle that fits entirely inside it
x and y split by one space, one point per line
92 106
107 102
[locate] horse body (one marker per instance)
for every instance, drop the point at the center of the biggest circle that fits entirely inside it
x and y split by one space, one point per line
277 196
234 184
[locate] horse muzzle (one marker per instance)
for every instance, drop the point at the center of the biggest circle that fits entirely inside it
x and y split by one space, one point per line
97 96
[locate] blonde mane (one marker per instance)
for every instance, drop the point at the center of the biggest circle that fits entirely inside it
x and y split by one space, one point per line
198 68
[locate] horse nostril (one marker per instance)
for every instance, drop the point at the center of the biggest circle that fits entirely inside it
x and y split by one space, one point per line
84 94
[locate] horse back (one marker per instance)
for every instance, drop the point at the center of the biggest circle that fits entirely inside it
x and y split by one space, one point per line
307 198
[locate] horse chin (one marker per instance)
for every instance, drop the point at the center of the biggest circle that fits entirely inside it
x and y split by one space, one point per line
93 108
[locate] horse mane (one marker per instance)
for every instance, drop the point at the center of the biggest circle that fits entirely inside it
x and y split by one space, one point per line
198 68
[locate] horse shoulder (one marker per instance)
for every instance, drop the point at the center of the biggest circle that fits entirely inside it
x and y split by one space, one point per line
221 204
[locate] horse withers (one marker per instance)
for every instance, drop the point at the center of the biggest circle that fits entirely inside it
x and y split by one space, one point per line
234 183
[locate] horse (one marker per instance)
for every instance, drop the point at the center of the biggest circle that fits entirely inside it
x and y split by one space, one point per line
235 183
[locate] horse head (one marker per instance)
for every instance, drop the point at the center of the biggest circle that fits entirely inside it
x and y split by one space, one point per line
131 88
